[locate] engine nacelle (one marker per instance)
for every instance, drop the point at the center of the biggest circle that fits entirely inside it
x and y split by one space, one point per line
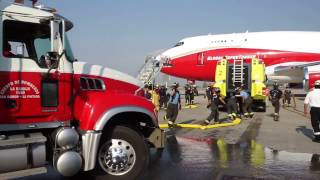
311 74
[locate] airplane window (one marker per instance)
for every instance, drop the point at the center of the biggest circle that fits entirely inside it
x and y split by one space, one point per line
179 44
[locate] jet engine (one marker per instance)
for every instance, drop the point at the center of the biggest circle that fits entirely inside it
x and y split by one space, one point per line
311 74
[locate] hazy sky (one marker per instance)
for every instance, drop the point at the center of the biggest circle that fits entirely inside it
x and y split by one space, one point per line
120 33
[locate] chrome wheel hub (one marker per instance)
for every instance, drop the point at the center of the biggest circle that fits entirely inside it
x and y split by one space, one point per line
117 157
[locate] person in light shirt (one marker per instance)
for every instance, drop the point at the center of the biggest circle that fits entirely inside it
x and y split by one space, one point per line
313 101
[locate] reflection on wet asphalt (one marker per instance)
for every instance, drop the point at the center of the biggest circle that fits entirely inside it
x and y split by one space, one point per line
186 158
205 158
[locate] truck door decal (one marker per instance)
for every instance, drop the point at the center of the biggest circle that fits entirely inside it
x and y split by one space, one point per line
19 89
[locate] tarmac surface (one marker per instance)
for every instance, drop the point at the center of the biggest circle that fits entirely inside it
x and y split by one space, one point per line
258 148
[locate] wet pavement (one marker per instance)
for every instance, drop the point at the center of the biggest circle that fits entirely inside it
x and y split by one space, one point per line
207 158
187 158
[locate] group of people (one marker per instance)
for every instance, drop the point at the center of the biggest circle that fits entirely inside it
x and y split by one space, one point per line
157 94
237 103
190 92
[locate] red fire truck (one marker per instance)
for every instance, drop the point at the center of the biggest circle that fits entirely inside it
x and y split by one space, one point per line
57 111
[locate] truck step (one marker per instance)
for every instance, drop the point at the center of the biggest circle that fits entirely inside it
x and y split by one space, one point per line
23 173
19 139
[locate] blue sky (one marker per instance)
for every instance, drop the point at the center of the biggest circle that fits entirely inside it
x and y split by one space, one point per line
120 33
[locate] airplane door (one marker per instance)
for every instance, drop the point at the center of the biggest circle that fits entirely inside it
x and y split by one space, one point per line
200 58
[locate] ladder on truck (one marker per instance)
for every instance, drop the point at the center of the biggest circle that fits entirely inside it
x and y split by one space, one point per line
238 76
149 70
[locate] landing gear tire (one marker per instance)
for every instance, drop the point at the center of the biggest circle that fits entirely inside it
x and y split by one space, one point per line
123 156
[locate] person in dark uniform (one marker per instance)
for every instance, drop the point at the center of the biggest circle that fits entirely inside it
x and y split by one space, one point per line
209 93
191 95
275 96
187 94
163 96
213 105
174 105
147 94
247 103
313 101
232 106
287 97
195 90
239 101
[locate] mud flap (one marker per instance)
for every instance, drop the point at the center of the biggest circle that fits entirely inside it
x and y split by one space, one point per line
158 138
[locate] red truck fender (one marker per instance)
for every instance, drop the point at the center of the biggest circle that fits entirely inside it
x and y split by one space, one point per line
95 110
121 109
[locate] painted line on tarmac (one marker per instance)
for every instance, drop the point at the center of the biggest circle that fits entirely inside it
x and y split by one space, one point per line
190 106
199 126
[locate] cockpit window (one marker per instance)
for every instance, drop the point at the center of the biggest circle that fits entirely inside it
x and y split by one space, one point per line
179 44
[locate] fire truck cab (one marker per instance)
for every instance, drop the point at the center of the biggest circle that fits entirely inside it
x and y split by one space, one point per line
57 111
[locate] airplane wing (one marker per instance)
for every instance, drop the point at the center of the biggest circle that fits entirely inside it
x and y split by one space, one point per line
292 73
283 69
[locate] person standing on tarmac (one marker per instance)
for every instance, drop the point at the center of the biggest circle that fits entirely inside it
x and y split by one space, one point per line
174 105
275 96
214 106
191 95
246 102
155 97
287 97
232 106
163 97
187 94
313 101
239 101
209 93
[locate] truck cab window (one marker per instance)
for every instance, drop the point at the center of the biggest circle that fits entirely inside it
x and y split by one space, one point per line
26 40
14 49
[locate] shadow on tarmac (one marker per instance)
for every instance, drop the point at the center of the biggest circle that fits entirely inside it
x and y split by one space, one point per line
305 131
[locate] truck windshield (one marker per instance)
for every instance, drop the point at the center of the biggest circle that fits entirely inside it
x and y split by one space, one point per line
32 39
69 53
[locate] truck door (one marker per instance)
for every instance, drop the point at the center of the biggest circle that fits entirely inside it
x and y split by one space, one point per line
28 92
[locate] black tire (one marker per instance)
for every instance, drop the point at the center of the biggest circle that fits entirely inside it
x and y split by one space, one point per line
264 107
137 142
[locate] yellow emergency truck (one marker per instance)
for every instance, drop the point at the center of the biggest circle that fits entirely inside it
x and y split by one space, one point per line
250 74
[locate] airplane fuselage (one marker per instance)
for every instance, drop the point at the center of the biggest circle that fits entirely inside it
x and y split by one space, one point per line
195 58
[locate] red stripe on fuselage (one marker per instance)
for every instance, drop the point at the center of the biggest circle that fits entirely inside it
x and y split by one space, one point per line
187 66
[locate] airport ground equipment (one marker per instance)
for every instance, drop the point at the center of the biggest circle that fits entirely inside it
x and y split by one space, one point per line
250 73
56 111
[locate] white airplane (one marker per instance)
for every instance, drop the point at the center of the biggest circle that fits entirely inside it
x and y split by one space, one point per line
289 56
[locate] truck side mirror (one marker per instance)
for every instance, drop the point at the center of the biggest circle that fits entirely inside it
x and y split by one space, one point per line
51 60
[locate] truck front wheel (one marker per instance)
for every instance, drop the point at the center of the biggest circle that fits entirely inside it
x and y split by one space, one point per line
124 155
